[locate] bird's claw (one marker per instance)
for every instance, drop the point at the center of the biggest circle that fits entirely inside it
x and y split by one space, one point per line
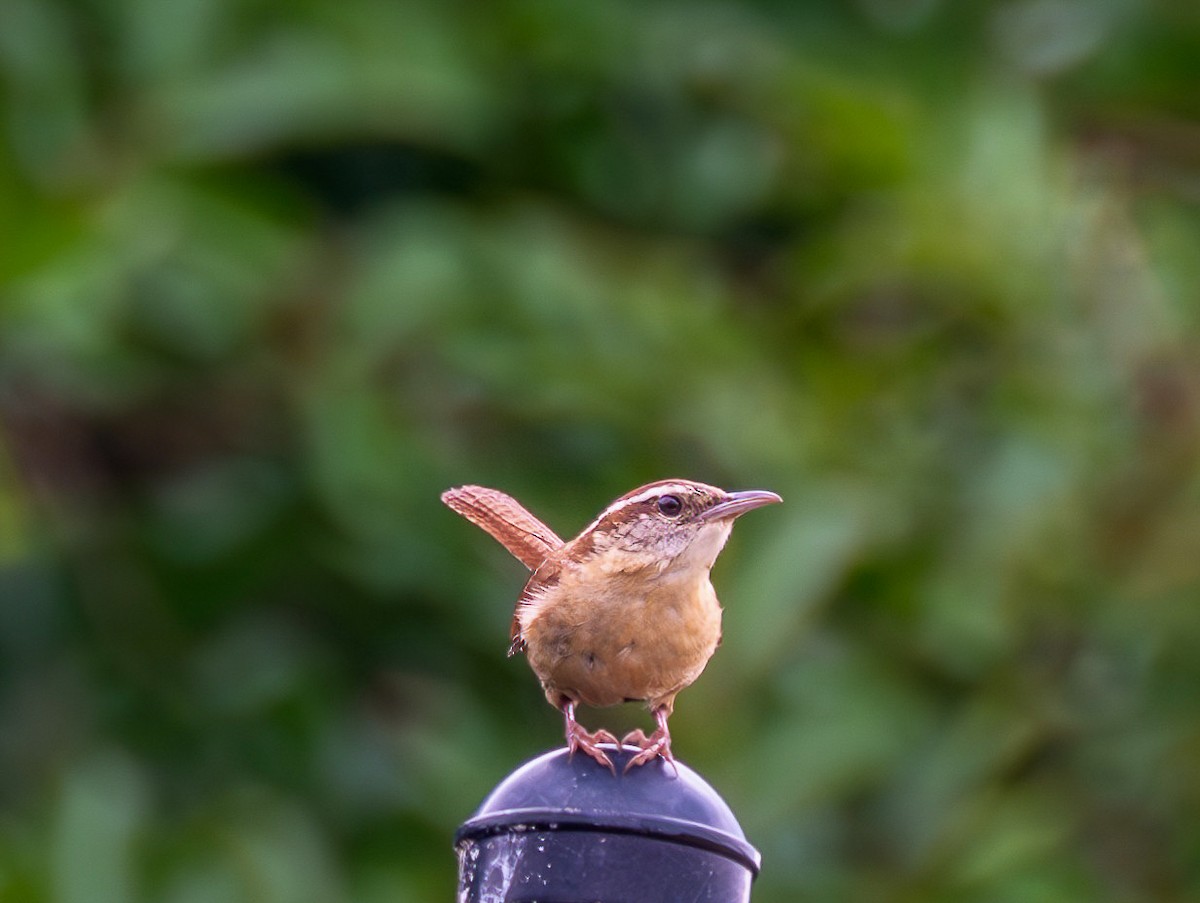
657 744
635 738
579 739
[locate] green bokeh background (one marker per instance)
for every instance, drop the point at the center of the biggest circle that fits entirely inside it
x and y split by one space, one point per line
274 274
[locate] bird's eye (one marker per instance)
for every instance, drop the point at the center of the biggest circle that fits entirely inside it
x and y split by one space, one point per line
670 505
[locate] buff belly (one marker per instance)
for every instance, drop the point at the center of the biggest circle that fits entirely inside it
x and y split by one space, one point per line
623 647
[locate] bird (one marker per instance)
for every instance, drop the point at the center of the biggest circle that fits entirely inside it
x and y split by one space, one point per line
625 611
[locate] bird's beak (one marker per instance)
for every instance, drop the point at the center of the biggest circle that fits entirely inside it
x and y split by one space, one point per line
737 503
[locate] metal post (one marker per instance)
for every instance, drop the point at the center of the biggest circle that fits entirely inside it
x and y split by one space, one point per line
561 829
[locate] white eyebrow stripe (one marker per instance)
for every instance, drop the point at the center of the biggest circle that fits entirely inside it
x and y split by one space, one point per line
652 492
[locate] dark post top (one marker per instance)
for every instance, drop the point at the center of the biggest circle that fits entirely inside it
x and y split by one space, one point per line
568 826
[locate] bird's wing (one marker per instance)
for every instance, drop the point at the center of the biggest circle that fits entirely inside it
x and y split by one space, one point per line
542 579
529 540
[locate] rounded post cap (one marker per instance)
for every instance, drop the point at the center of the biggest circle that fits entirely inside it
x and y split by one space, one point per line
559 792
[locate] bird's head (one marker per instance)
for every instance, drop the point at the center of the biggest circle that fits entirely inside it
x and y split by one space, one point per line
667 525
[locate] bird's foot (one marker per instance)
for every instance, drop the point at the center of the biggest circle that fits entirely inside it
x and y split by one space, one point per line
580 739
636 738
657 744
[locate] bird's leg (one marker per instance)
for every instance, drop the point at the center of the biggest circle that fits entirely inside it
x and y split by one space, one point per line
579 739
657 744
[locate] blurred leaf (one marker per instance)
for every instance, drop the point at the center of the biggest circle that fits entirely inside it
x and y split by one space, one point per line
102 816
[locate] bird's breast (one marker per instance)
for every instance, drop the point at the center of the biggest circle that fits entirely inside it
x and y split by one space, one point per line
627 638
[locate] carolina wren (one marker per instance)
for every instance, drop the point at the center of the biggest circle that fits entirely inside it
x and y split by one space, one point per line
623 612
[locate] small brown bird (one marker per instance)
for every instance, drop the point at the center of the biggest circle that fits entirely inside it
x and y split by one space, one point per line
623 612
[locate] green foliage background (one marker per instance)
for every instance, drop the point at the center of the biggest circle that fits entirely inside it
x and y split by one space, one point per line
275 274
